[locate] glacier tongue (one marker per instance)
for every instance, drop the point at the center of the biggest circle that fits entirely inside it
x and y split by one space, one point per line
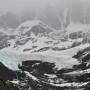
10 59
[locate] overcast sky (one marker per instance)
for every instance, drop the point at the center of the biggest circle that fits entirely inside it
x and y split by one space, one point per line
21 5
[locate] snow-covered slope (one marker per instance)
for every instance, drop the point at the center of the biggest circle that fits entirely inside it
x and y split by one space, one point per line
40 69
38 52
35 26
29 46
78 27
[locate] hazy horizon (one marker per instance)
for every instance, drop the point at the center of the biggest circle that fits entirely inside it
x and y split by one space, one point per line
18 6
51 12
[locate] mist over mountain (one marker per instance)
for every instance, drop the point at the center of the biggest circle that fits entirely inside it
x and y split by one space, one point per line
56 13
44 44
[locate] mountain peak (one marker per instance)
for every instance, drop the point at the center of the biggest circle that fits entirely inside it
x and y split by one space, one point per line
31 23
34 26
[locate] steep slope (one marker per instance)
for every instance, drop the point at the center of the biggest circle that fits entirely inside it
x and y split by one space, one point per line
44 75
78 30
35 26
41 62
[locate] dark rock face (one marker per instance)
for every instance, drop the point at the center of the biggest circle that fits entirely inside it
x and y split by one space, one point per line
75 35
80 66
6 74
82 52
3 40
38 67
7 86
22 42
40 75
39 29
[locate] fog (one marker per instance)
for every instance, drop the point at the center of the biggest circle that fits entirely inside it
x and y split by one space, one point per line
18 6
53 12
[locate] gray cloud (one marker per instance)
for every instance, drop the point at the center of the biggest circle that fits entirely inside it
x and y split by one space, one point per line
21 5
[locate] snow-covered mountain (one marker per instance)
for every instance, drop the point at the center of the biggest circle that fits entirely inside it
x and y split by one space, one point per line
35 26
42 57
78 30
35 36
42 74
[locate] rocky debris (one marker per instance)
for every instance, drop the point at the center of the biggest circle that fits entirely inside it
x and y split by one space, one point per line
41 75
7 86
